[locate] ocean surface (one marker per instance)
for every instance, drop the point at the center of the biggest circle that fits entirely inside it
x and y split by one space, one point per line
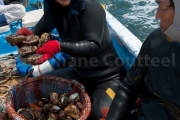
137 15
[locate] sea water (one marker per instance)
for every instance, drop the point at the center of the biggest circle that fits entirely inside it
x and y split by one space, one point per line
137 15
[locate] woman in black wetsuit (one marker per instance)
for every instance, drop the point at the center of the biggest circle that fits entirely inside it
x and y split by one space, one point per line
85 36
155 74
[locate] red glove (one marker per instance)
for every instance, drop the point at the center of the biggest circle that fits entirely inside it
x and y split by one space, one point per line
24 31
48 50
104 112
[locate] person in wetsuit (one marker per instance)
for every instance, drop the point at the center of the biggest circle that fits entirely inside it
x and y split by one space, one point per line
84 34
155 74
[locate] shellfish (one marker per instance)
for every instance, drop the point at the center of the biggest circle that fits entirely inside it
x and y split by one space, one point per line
14 39
72 111
27 113
30 40
62 115
44 38
30 59
74 98
26 50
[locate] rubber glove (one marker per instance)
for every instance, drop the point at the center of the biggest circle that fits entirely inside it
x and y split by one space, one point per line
24 31
48 50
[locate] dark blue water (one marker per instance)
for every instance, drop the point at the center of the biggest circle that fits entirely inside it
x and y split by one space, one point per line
137 15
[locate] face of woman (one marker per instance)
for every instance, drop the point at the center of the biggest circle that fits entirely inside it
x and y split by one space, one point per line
64 3
165 14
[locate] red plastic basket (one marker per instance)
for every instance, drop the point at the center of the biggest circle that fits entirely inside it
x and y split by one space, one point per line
33 89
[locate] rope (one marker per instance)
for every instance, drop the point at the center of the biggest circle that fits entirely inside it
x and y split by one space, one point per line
3 98
6 72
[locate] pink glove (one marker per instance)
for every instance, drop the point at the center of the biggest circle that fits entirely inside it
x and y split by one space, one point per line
48 50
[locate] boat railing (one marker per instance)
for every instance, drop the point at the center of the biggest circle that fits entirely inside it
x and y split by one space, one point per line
127 45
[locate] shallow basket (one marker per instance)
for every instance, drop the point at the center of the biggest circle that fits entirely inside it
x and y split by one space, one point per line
32 89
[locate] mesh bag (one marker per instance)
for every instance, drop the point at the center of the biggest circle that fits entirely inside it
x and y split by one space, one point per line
32 89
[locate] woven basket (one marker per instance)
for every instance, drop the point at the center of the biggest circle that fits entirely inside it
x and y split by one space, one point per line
32 89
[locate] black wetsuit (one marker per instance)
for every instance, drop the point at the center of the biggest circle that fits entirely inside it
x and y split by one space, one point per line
85 36
156 76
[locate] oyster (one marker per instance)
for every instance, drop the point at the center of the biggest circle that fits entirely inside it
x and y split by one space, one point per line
53 95
39 115
30 59
14 39
46 108
68 118
26 50
45 37
27 113
64 100
55 109
30 40
52 116
74 98
55 101
62 115
72 111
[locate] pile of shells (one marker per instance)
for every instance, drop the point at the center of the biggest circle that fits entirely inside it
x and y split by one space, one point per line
54 107
30 45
